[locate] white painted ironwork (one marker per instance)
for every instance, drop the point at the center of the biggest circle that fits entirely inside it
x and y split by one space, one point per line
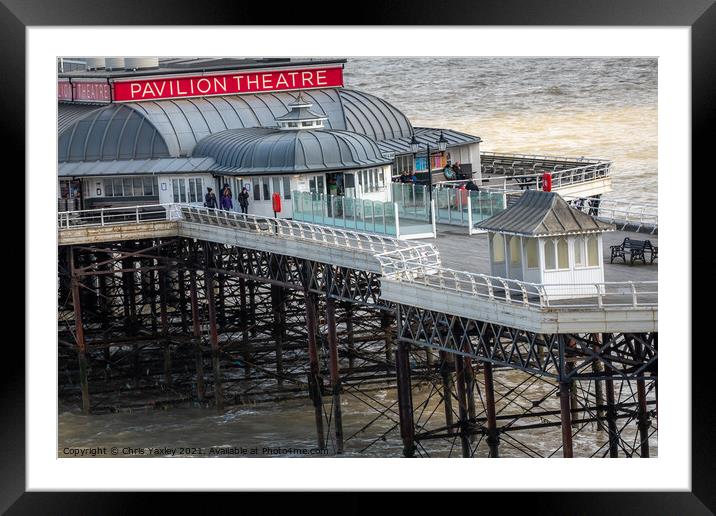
395 266
399 261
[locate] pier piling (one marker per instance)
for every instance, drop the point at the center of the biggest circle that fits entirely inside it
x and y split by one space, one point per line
493 436
335 372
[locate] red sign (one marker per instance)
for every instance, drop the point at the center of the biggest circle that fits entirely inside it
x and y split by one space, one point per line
228 84
64 90
91 91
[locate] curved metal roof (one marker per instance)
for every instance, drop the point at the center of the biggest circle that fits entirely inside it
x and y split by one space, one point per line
373 116
543 214
263 150
182 123
67 114
112 133
426 135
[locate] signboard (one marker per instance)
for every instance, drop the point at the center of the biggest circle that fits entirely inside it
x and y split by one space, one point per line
135 90
91 91
64 90
84 91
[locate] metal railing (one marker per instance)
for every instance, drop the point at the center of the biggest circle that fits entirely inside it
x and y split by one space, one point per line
114 216
623 213
624 294
284 228
560 178
617 211
399 261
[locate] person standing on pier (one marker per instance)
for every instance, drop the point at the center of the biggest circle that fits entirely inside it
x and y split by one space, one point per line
226 203
210 199
244 200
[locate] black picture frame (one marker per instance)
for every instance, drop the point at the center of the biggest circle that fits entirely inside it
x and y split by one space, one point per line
699 15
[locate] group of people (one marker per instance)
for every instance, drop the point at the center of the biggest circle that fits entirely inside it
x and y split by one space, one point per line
407 177
226 202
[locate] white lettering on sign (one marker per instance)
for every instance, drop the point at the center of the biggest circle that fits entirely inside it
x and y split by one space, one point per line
245 82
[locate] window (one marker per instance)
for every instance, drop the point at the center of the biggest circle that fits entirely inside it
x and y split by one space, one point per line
267 192
148 185
256 187
276 183
179 190
306 124
562 254
137 187
515 251
579 252
404 162
195 189
531 252
286 187
127 184
498 248
593 251
131 187
550 262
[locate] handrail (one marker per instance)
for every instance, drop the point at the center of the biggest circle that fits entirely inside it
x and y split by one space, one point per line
540 157
399 260
643 294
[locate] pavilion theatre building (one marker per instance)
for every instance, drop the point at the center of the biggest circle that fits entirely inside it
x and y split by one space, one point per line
147 131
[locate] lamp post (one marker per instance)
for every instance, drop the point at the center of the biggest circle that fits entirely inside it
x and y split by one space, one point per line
415 147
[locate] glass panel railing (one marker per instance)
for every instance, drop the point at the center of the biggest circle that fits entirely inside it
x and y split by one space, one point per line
485 205
345 212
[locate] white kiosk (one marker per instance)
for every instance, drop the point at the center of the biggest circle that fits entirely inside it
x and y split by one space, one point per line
541 239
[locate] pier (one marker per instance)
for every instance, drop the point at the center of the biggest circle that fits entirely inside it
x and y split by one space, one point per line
170 304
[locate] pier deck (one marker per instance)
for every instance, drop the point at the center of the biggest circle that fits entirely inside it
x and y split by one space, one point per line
470 253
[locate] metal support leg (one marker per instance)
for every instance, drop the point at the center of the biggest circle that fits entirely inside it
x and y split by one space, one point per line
335 373
213 332
446 374
351 337
314 378
564 402
405 396
165 326
245 329
279 330
462 405
79 334
196 332
598 369
643 420
386 323
493 436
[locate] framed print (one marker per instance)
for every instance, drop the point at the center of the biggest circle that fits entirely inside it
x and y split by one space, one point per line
333 248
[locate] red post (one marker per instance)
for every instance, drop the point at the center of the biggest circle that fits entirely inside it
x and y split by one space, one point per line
546 182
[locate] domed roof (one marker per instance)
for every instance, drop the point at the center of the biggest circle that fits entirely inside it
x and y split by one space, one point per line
172 127
273 151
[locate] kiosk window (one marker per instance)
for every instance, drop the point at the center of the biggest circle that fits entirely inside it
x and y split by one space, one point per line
498 248
256 187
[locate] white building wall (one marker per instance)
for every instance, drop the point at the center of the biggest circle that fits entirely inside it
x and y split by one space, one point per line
571 276
166 190
468 154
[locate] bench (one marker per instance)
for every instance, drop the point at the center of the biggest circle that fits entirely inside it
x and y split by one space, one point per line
636 249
